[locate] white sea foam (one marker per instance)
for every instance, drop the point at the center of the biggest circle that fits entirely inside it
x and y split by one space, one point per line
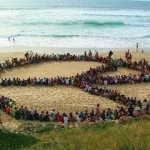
109 24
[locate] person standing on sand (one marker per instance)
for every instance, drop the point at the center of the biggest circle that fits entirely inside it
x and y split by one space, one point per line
137 46
85 54
31 54
96 55
110 54
97 112
90 54
130 57
127 55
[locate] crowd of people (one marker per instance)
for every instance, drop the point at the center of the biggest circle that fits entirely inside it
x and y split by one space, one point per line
87 81
31 58
132 108
78 81
92 76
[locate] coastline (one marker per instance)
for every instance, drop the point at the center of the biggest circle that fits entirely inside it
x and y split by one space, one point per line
14 51
55 50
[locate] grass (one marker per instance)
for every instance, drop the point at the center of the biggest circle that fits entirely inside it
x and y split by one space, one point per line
14 141
48 128
104 136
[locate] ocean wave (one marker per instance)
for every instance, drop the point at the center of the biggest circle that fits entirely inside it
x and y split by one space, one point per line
89 23
33 8
40 35
107 23
86 23
117 15
77 22
57 36
146 36
72 36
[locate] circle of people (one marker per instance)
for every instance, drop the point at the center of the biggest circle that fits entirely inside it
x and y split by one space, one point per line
87 81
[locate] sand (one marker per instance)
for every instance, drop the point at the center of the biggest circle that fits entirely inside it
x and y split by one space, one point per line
9 122
8 52
140 91
63 98
64 69
51 69
122 71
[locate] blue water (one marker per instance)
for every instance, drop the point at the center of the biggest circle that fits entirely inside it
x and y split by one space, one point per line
75 23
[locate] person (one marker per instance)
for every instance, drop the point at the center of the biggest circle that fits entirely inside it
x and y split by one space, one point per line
144 105
65 118
127 55
31 54
130 57
85 54
96 55
97 112
137 46
13 40
90 54
110 54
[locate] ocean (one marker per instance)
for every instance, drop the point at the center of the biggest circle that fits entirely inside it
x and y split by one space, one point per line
75 23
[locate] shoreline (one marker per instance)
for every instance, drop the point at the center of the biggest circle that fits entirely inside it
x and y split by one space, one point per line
22 49
9 52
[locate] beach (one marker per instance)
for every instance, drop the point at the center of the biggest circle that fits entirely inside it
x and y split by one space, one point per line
66 98
73 70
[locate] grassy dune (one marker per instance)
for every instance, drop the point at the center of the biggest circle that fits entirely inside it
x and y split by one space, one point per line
104 136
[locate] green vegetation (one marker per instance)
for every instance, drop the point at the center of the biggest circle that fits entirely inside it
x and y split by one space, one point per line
13 141
104 136
48 128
